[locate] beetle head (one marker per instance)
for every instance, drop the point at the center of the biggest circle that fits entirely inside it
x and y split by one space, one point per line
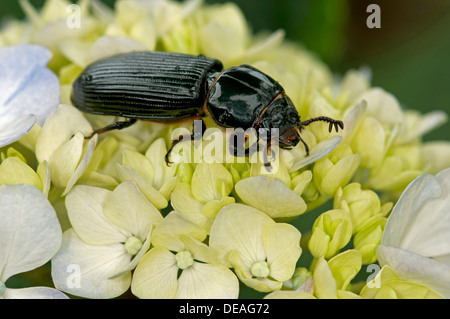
282 115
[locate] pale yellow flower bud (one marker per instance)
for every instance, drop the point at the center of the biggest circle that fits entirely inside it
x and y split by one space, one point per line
335 170
401 165
368 238
331 231
361 205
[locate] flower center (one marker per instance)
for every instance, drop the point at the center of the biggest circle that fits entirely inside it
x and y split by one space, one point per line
2 287
184 259
260 269
133 245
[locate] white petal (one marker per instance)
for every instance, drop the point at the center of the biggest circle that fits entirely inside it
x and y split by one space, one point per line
85 210
383 106
16 128
129 174
207 181
136 258
103 12
186 205
268 43
428 122
418 228
107 45
75 51
54 29
416 268
324 283
65 159
420 222
63 123
239 227
352 119
282 245
84 270
30 233
27 86
161 172
82 165
271 196
205 281
443 178
168 233
128 208
140 163
34 293
155 276
44 174
317 152
436 156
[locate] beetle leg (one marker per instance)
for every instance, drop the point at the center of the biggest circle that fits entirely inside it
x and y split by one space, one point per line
266 155
193 136
115 126
233 147
237 151
306 146
252 148
166 157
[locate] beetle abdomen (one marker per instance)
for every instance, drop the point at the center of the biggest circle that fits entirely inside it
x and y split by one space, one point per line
144 85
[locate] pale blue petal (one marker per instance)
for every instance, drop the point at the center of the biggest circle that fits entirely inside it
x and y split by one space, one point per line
16 128
30 233
27 86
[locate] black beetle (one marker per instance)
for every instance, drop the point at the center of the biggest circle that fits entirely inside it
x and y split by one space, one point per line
164 86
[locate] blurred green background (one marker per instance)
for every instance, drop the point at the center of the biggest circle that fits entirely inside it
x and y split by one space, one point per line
409 55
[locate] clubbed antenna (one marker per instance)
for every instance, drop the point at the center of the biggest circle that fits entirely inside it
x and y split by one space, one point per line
337 124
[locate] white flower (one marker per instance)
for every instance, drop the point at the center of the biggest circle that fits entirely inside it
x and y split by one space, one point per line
30 235
263 253
180 266
416 240
111 231
29 91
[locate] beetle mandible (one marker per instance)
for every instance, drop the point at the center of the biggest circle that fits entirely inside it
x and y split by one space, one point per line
165 87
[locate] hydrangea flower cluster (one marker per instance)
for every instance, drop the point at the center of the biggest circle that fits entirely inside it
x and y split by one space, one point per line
203 229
